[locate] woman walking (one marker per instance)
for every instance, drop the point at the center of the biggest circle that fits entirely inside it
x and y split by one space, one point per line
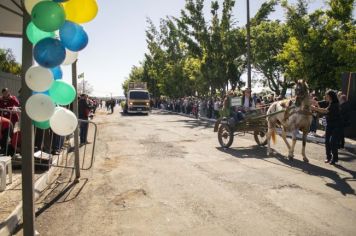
333 126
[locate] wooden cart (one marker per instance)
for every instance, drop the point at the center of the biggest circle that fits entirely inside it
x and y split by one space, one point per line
254 123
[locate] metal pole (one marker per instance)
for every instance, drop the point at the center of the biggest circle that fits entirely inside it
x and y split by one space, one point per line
248 46
76 132
27 140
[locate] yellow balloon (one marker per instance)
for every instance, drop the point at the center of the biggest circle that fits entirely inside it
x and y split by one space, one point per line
80 11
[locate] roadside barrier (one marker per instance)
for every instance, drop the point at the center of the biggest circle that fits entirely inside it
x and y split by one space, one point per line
51 150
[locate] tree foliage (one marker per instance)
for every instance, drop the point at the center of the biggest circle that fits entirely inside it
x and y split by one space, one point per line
195 54
8 62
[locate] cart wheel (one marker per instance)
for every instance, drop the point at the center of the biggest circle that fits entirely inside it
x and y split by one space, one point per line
260 138
225 136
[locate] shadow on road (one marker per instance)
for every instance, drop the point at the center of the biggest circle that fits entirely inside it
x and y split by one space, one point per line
135 114
340 184
193 124
60 194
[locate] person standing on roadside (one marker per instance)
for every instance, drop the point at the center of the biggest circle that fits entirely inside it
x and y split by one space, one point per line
333 126
112 105
9 102
83 114
314 123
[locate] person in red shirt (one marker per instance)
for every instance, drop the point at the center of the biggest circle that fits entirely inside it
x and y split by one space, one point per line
6 132
9 102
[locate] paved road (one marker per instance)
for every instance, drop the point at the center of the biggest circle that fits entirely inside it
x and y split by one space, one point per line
166 175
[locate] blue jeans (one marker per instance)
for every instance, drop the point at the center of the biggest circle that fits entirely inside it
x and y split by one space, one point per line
83 132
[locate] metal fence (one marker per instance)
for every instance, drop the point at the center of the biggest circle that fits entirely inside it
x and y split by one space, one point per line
50 149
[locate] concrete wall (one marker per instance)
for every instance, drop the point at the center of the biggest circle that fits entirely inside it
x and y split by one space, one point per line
12 82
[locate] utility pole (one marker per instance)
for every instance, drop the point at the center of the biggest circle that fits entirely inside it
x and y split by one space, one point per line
27 141
249 84
76 132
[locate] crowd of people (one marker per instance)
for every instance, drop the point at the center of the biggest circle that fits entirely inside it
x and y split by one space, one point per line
45 140
209 107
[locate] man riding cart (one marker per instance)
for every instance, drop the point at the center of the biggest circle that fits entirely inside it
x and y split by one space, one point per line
239 115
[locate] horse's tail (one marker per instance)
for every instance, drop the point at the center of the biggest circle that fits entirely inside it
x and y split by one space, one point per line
273 136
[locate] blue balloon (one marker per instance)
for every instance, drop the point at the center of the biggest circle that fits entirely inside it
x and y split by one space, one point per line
57 73
73 36
45 92
49 52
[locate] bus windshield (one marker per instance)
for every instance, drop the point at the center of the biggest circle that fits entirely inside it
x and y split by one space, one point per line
139 95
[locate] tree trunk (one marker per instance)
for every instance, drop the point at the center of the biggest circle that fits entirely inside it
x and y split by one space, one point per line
273 86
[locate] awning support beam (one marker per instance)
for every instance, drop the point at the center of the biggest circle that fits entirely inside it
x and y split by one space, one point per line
10 10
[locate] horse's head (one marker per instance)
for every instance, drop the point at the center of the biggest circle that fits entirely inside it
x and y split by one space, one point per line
301 89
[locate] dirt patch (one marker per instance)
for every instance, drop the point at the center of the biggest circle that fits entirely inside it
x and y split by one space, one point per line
109 164
123 199
160 149
287 186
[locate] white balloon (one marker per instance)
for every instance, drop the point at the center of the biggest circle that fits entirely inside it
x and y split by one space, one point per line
29 4
63 122
39 79
71 57
39 107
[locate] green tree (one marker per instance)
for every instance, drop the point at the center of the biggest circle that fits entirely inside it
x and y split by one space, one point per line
313 50
8 62
268 39
220 47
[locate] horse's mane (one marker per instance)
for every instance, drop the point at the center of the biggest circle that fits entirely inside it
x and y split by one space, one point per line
300 100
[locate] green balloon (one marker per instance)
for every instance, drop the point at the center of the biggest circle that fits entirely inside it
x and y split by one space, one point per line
34 34
48 16
41 125
62 93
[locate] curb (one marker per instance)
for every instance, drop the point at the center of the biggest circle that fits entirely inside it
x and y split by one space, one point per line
349 147
11 222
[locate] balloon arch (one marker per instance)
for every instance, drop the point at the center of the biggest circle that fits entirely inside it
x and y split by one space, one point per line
57 36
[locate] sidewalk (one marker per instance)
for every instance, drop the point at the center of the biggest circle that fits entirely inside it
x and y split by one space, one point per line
11 198
350 145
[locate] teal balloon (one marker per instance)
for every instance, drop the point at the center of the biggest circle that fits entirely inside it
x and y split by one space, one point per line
48 16
62 93
41 125
35 35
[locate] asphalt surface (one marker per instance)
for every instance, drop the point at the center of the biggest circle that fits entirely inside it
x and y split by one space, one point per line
165 174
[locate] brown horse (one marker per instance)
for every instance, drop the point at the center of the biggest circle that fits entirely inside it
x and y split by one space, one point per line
291 118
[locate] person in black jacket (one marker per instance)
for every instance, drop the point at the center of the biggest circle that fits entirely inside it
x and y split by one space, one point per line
83 114
333 126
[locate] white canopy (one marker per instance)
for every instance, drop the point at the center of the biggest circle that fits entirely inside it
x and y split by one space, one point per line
11 18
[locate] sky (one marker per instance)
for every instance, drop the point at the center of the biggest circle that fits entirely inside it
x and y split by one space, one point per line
117 38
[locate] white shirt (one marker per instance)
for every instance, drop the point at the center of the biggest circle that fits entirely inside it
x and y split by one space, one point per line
216 106
247 103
